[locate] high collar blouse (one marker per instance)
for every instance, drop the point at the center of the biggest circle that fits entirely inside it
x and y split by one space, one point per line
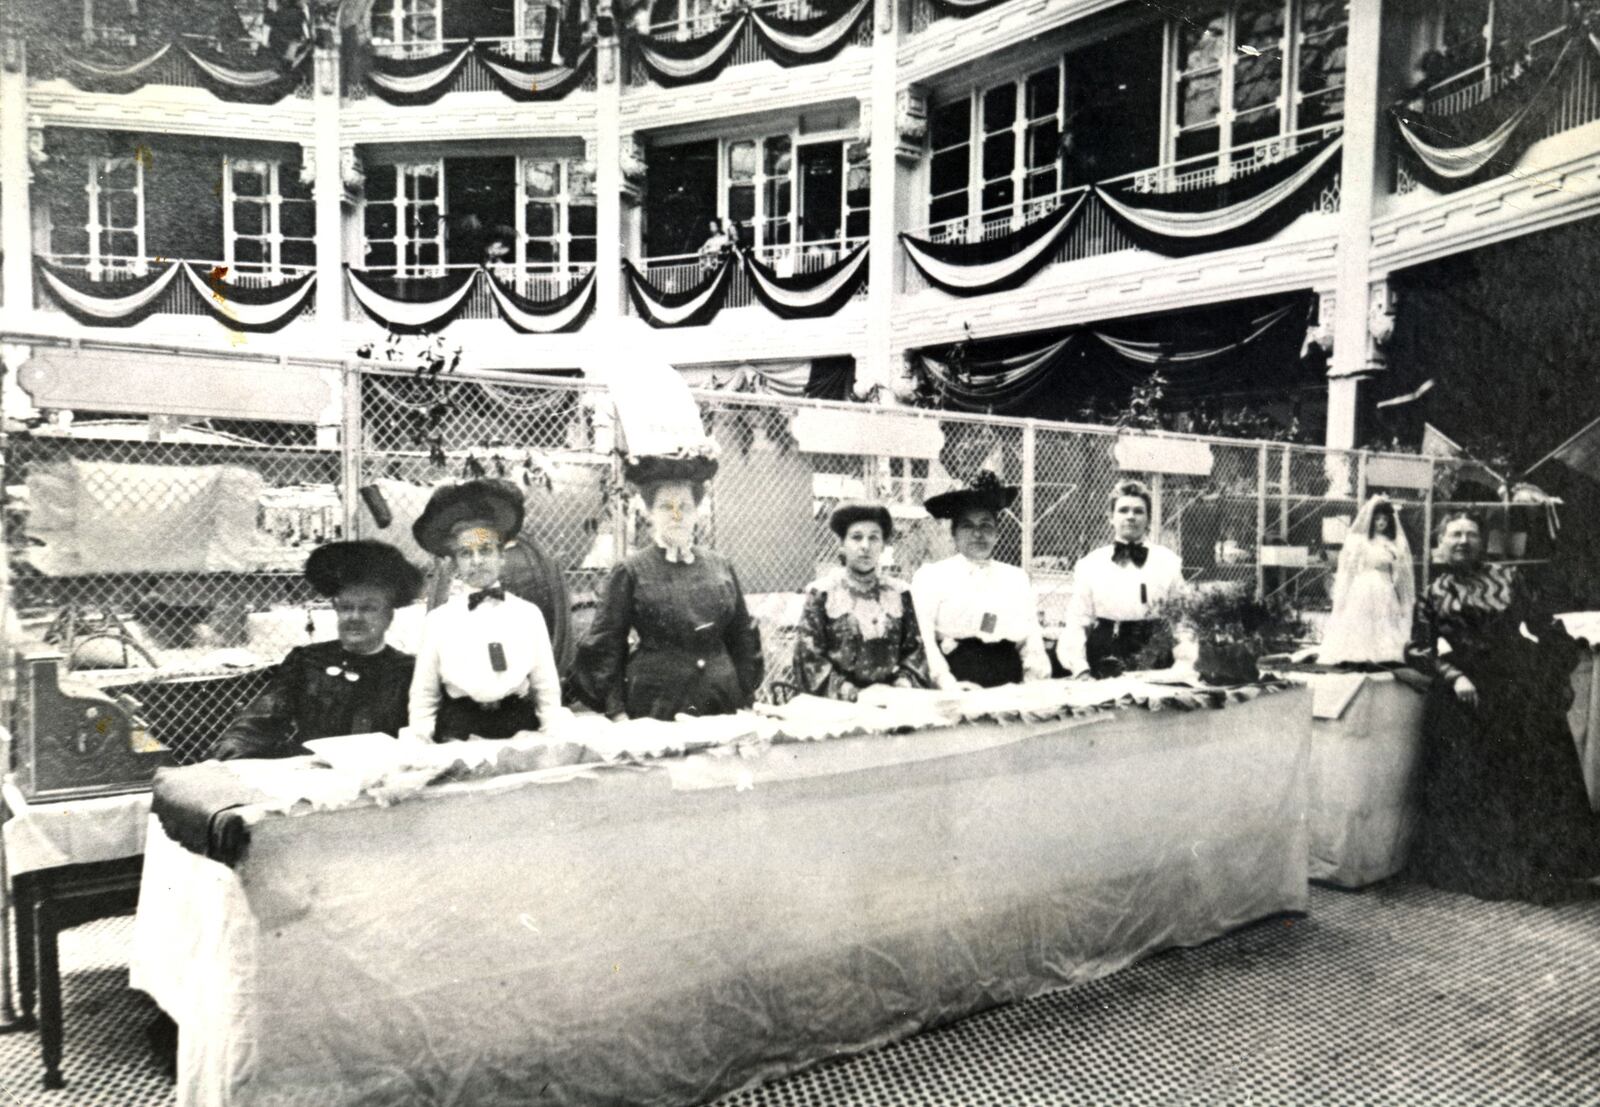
953 597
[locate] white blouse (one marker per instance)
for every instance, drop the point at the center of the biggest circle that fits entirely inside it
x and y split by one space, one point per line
454 658
952 598
1104 589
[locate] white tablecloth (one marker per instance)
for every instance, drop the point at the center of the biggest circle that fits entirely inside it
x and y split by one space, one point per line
665 934
72 832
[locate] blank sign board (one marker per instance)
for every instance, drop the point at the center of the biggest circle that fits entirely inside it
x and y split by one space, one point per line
1152 454
871 433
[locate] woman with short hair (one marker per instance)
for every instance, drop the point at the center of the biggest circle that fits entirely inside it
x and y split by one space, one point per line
858 626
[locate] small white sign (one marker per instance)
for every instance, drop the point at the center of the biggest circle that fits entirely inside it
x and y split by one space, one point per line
1155 454
1400 472
656 410
874 434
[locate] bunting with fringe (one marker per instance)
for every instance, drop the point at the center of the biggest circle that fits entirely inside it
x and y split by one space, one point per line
999 384
1168 354
808 295
410 82
224 77
530 82
1244 210
243 308
1001 264
93 76
791 42
690 308
560 315
1451 152
671 62
411 305
121 302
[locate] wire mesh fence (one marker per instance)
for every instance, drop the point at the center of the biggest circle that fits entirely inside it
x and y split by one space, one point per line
163 559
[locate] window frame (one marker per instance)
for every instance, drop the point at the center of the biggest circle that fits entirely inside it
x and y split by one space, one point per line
777 252
272 201
394 14
403 240
563 202
100 264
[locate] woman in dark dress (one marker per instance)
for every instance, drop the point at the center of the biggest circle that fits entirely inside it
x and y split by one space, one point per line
1504 811
699 651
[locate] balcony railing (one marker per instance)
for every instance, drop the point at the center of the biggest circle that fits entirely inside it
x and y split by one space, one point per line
473 77
680 272
181 297
541 281
1096 234
748 49
1577 97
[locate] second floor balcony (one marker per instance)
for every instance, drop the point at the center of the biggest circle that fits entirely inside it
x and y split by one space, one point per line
678 42
674 285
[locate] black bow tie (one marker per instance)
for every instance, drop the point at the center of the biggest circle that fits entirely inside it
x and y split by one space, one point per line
493 592
1135 552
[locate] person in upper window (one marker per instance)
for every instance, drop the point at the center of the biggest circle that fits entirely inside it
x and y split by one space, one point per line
1115 588
858 626
356 684
485 668
699 651
979 619
718 244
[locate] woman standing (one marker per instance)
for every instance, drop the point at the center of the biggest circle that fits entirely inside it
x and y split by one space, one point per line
699 650
980 624
1373 591
1505 814
859 627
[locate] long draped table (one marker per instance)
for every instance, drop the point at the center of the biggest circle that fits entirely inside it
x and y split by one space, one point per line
666 933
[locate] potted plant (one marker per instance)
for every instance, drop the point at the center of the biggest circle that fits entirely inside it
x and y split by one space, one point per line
1232 629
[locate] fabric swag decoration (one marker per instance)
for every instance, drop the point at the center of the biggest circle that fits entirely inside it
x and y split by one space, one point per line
998 265
808 295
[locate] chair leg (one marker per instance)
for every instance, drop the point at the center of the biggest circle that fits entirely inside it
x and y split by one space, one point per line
45 931
22 922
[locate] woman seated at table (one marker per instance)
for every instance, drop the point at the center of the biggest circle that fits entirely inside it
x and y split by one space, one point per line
355 684
486 668
1114 590
1504 811
980 624
859 627
699 651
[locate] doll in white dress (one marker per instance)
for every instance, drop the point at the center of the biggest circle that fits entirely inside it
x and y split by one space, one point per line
1374 591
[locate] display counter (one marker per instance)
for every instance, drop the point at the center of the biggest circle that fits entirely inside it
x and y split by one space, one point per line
662 933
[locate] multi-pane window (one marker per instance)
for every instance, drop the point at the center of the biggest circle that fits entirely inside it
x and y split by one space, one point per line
402 218
110 22
557 213
781 190
105 234
269 219
1018 125
418 23
1242 74
1471 31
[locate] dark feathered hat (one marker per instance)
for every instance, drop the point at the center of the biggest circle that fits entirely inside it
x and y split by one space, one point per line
847 514
496 504
339 565
985 491
643 471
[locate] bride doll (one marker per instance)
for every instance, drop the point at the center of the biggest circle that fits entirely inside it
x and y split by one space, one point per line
1373 591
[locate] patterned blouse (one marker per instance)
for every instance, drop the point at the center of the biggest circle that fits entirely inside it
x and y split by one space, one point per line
853 634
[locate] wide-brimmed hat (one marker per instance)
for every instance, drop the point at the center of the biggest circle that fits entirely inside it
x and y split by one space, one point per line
847 514
339 565
643 471
985 491
496 504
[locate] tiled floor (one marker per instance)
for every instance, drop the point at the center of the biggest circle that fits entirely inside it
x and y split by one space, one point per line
1399 995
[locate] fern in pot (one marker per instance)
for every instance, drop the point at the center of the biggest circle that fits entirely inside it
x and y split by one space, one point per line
1232 630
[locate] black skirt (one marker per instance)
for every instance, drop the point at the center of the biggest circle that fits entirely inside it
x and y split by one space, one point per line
986 664
460 719
1112 647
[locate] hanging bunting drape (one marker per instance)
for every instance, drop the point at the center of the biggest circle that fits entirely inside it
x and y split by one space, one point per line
242 308
977 268
1244 210
409 82
1169 353
792 42
808 295
416 304
960 8
114 303
999 384
1450 152
671 62
533 81
226 78
556 316
690 308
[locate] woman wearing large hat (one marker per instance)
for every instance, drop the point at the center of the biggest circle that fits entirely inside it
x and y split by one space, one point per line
979 619
858 627
699 651
486 668
356 684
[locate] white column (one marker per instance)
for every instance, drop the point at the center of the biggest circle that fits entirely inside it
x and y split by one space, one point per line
606 149
884 133
328 191
1354 355
16 234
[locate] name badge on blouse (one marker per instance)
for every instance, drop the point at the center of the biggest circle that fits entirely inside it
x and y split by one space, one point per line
497 657
990 621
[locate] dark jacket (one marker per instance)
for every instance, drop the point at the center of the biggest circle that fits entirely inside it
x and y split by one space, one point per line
310 695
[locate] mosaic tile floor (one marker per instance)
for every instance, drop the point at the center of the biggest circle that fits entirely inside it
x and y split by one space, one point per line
1399 995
